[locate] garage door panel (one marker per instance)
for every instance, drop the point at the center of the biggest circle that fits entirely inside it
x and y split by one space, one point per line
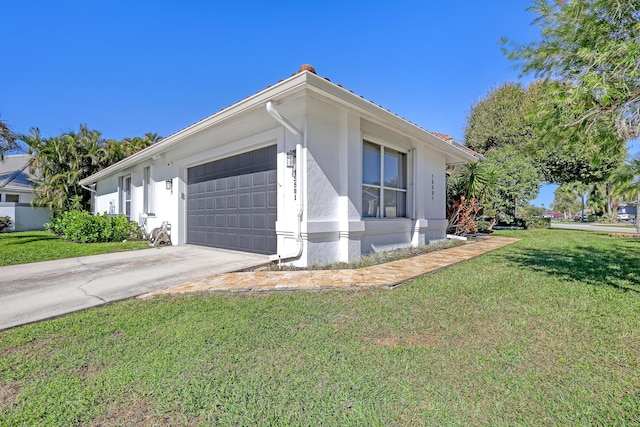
244 181
259 179
259 200
232 203
244 221
244 201
259 222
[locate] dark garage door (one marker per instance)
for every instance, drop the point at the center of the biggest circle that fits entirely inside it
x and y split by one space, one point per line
231 203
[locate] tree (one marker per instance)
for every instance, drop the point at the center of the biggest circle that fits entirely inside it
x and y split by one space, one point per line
627 181
566 200
61 161
7 139
566 153
592 48
517 182
502 118
530 118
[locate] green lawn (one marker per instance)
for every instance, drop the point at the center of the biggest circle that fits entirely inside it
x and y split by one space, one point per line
33 246
543 332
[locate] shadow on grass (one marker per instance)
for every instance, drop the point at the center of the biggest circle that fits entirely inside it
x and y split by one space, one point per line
613 266
26 238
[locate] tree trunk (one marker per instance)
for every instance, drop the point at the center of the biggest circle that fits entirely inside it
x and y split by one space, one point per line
637 212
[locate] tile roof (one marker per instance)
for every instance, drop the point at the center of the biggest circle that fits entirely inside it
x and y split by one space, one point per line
306 68
311 69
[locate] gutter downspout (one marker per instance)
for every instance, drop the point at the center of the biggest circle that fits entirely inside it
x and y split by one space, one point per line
89 189
298 236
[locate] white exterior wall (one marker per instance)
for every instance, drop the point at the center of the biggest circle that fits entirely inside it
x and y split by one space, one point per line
24 196
333 227
327 188
24 217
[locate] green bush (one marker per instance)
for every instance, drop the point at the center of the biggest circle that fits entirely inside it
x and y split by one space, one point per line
530 223
5 222
82 227
484 226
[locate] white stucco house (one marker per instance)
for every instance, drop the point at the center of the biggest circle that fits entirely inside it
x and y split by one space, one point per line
304 171
16 194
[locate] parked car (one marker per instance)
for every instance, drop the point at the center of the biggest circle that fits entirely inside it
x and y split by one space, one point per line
623 216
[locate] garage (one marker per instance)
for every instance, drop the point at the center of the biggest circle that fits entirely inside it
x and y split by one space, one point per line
232 202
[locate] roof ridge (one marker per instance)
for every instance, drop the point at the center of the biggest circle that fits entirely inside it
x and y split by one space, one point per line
13 176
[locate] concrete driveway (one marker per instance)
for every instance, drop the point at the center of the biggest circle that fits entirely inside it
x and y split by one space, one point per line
32 292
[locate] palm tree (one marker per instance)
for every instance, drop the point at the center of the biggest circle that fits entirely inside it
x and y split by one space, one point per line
60 162
627 183
7 140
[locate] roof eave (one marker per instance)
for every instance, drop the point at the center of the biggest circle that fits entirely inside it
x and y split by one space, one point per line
279 90
373 110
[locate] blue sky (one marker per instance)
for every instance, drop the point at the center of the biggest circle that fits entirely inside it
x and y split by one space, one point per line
130 67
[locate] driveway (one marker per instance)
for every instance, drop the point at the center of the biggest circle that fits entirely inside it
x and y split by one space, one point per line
32 292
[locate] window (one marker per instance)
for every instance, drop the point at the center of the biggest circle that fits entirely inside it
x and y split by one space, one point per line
146 193
15 198
125 195
384 177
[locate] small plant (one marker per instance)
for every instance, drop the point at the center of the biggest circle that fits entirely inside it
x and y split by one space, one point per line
5 222
462 216
82 227
609 218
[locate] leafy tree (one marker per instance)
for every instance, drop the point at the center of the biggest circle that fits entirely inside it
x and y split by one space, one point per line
517 182
627 182
61 161
502 118
592 47
566 200
566 153
516 116
7 139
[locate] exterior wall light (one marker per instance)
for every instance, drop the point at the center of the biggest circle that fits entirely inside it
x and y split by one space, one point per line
291 158
169 184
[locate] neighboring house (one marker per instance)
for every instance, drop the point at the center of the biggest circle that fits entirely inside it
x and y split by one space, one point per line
16 194
305 171
626 210
552 215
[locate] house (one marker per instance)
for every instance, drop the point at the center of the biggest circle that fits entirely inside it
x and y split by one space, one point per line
305 171
552 215
626 211
16 194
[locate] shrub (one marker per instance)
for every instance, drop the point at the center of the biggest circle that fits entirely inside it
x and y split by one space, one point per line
461 217
530 223
82 227
5 222
485 226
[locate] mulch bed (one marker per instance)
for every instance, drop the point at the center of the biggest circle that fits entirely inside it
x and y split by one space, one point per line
625 235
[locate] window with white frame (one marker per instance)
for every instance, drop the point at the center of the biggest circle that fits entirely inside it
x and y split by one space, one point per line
384 181
146 193
125 195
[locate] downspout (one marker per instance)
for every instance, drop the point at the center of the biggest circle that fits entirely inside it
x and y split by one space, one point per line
300 207
89 189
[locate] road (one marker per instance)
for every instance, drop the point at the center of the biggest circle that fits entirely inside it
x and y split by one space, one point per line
590 226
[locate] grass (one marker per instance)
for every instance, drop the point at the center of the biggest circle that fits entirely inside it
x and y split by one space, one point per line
543 332
33 246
